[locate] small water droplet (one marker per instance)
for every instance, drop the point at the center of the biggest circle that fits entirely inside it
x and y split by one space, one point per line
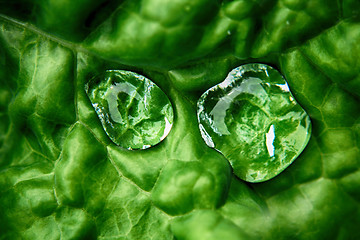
254 121
134 112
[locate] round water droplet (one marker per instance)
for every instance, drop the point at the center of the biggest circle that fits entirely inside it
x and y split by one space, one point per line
134 112
254 121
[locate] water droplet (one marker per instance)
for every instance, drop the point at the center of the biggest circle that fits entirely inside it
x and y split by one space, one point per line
254 121
134 112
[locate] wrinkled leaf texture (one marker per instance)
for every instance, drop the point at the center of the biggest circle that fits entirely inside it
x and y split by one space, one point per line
62 178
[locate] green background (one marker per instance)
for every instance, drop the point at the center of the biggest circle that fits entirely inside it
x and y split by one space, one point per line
62 178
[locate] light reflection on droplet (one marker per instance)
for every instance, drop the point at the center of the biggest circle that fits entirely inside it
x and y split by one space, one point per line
270 137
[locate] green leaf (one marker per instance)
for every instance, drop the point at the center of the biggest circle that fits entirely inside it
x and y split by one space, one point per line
61 176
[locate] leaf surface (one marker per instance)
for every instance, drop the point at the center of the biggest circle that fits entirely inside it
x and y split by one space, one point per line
61 176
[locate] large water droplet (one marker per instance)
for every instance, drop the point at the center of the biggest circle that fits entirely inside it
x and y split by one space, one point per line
254 121
134 112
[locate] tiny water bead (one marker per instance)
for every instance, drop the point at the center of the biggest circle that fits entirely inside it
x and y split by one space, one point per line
134 112
254 121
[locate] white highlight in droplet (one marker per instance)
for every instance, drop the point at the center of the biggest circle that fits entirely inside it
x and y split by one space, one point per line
167 129
111 97
206 137
283 87
270 137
